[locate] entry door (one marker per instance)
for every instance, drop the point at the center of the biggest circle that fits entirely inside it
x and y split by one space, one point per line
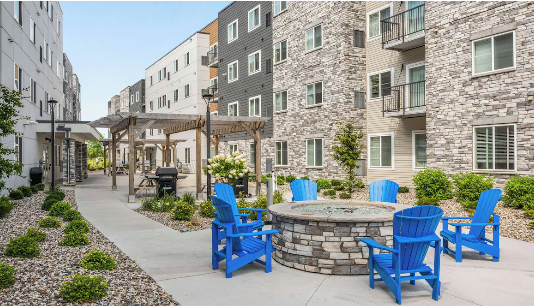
416 90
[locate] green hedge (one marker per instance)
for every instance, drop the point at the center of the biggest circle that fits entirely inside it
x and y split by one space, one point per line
432 183
519 192
468 186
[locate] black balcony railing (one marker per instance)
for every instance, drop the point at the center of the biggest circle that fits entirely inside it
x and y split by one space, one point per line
405 99
402 26
213 56
215 90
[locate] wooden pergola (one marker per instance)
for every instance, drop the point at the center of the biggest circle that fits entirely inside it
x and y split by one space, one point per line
135 124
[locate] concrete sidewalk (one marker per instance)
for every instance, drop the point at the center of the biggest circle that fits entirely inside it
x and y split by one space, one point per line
181 264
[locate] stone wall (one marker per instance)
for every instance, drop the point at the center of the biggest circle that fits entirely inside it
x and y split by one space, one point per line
84 160
69 170
243 147
78 162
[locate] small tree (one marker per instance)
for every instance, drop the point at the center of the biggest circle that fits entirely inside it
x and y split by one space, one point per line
10 102
95 148
348 151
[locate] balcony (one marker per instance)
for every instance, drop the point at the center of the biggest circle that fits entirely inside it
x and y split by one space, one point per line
405 30
215 91
404 101
213 58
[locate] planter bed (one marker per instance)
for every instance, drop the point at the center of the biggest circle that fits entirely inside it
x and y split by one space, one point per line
38 280
197 223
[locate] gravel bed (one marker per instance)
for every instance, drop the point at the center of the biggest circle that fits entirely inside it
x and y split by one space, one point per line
197 222
38 280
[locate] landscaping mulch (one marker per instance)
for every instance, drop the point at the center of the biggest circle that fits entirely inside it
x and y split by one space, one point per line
38 280
197 222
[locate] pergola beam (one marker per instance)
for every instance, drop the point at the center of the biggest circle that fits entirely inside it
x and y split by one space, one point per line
131 159
187 126
122 125
143 128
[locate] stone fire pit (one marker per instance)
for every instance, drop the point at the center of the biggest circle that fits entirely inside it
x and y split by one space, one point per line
324 236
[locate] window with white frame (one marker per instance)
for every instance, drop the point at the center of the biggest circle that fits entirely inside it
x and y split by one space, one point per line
18 148
381 150
186 91
254 18
212 151
49 57
495 147
232 148
314 37
151 81
131 99
280 51
137 97
214 82
151 132
280 153
233 71
176 65
254 106
314 93
314 152
380 83
164 73
252 154
186 59
419 149
32 30
215 113
232 31
187 155
374 29
233 109
279 6
176 95
494 53
151 105
58 27
254 62
159 102
280 101
18 12
164 100
18 78
33 91
159 131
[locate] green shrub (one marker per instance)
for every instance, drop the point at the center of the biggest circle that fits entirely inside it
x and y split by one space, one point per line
34 189
330 192
206 209
345 195
16 195
338 188
529 214
49 202
183 211
519 192
280 180
469 205
74 239
23 246
305 177
49 222
5 206
40 186
335 182
290 178
77 226
189 198
98 260
264 178
323 184
26 191
59 193
242 203
278 197
7 275
59 209
469 185
84 288
404 189
151 204
426 201
36 234
251 178
531 225
430 183
333 197
71 215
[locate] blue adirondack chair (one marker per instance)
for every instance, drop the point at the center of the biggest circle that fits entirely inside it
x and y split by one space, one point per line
303 190
247 246
383 191
476 239
413 233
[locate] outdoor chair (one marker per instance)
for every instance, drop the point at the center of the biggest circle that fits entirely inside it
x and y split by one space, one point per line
476 238
303 190
383 191
413 233
240 242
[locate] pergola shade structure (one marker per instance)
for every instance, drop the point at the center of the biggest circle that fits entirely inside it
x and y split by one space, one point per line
135 124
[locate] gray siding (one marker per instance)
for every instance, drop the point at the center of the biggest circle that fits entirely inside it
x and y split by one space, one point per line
138 87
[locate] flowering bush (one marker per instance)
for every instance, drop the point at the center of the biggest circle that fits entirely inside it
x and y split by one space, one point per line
227 167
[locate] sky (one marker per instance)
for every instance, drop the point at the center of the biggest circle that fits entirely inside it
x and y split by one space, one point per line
110 44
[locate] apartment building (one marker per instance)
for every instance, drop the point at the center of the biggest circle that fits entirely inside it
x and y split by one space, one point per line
137 97
68 91
319 77
245 72
77 98
212 61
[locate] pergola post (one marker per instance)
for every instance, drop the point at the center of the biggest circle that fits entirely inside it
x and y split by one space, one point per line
114 161
143 159
131 159
257 142
167 150
216 146
175 155
163 149
105 147
198 171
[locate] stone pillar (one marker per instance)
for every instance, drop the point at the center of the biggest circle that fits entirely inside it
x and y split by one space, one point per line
84 160
69 163
78 160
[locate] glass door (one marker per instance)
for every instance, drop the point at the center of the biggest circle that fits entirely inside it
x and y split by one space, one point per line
416 84
415 17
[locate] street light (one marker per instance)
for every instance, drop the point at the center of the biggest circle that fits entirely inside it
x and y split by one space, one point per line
52 104
207 95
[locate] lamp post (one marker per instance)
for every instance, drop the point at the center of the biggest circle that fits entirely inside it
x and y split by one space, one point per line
52 104
207 95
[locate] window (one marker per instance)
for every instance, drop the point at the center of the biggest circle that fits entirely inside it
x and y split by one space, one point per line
214 82
159 102
175 65
419 149
186 91
212 151
254 107
47 105
233 109
151 105
314 38
176 95
32 30
187 155
494 53
18 78
280 153
186 59
159 131
18 148
137 97
279 6
381 151
49 56
233 72
232 31
131 99
164 73
58 26
374 29
164 100
280 51
380 84
18 12
151 132
314 152
314 94
51 12
280 101
33 91
495 147
254 62
232 148
159 75
215 113
252 154
254 18
151 81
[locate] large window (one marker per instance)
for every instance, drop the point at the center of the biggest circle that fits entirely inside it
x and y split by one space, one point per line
280 51
373 21
494 53
232 148
314 37
280 101
18 78
233 72
314 94
32 30
186 91
175 95
33 91
233 109
280 153
252 154
18 148
186 59
254 18
279 6
314 152
232 31
495 147
254 62
187 155
419 149
254 106
379 84
18 12
381 151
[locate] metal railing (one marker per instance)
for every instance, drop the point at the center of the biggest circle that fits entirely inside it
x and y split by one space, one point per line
404 98
213 56
403 25
215 90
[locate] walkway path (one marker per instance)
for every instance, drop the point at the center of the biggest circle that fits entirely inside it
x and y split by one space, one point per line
181 264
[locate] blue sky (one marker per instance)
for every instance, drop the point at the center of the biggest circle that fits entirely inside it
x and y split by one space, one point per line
110 44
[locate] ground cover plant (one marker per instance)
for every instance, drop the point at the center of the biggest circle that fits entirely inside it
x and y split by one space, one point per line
77 226
36 234
519 192
49 222
98 260
183 211
404 189
74 239
58 209
5 206
7 275
84 288
23 246
49 201
16 195
71 215
26 191
206 209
